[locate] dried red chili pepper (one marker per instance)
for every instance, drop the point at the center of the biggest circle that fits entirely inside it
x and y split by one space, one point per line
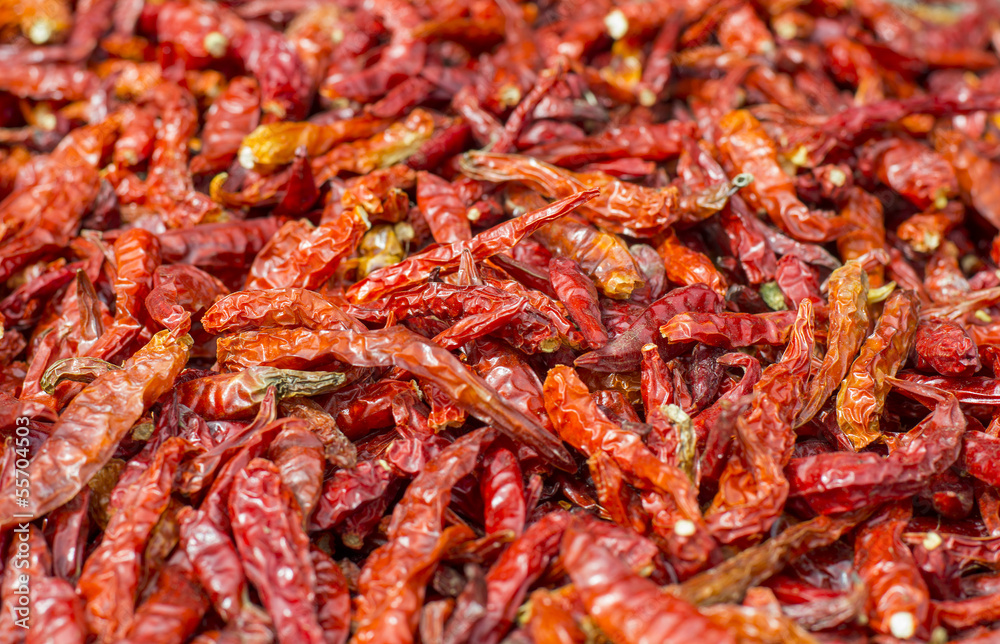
848 287
579 422
173 609
234 114
333 602
103 412
945 347
576 290
237 395
416 539
268 532
110 580
603 256
621 207
306 256
417 355
898 599
613 594
503 493
765 438
842 481
730 330
747 147
475 310
862 395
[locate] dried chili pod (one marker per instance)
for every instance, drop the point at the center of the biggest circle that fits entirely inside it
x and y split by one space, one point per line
406 350
393 580
237 395
851 481
766 439
848 326
862 395
628 607
103 412
267 529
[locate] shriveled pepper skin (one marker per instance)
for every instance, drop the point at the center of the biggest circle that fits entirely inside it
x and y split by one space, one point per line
627 607
89 430
753 485
862 395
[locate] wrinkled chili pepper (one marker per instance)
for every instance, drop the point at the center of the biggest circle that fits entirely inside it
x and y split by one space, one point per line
863 392
612 593
765 438
103 412
848 325
272 547
842 481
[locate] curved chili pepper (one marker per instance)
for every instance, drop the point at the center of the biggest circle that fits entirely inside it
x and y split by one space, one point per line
251 309
99 417
766 439
442 206
109 581
626 606
306 256
406 350
508 580
391 584
233 115
686 266
503 493
274 144
862 395
848 325
180 294
333 602
267 529
475 310
730 579
853 480
211 558
621 207
747 147
581 424
393 145
603 256
137 255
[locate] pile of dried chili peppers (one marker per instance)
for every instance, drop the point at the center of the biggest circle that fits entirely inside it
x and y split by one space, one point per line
575 321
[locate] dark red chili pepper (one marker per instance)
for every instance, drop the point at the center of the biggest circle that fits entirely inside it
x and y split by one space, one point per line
267 529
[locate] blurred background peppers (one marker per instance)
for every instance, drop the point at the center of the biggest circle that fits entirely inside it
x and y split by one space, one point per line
492 321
